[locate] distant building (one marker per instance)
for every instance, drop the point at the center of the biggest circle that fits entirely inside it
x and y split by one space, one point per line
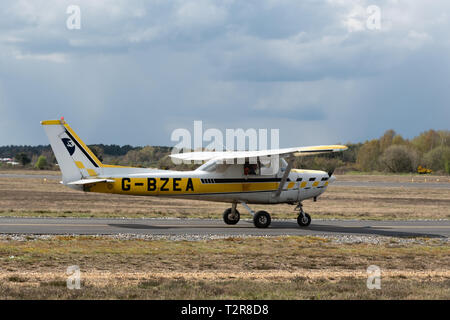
9 161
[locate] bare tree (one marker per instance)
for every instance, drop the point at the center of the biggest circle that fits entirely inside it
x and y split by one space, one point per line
400 158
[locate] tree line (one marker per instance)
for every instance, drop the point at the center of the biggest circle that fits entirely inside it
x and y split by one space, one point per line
390 153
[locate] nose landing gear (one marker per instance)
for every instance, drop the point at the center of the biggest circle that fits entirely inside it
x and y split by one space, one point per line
303 218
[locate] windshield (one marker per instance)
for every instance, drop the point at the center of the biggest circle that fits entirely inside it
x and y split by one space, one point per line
208 166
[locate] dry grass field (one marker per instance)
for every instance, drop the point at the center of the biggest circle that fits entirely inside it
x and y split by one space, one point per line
235 268
253 268
36 197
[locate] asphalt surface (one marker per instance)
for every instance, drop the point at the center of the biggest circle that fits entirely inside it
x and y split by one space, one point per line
91 226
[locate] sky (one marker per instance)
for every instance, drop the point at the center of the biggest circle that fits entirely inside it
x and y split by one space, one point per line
321 72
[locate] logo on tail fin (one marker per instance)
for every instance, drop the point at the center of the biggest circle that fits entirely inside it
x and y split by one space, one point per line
69 145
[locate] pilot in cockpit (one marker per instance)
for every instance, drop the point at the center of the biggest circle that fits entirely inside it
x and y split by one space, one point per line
250 169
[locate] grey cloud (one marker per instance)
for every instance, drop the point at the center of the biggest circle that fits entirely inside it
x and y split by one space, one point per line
147 68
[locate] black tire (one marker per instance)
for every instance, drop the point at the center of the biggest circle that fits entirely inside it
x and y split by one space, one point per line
262 219
304 221
228 216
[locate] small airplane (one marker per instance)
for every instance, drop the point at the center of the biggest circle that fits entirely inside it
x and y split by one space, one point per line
244 177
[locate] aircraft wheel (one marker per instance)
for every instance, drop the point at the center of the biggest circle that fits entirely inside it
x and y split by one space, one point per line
231 218
304 220
261 219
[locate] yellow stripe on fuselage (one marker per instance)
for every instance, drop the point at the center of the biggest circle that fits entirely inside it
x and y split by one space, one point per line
176 186
184 186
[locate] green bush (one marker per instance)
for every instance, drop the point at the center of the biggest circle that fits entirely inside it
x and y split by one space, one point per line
438 159
367 159
41 163
400 158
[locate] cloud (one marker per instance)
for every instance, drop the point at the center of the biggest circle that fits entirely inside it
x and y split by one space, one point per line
52 57
199 14
144 68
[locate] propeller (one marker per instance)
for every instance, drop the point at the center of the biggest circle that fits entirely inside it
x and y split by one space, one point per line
330 172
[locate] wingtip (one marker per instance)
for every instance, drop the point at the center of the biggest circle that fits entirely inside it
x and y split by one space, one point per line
341 147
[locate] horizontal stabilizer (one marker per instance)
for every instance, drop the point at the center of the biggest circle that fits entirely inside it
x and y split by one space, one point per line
89 181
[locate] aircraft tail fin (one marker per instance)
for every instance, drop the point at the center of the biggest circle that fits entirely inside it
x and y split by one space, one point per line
75 159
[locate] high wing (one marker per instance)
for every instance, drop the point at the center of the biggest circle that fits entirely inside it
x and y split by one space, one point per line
284 153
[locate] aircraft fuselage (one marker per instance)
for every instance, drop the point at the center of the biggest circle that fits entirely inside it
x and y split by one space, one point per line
301 185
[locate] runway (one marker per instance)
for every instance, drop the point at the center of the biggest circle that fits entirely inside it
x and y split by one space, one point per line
94 226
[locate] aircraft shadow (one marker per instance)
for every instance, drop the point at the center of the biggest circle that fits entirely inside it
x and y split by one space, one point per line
365 230
291 226
135 226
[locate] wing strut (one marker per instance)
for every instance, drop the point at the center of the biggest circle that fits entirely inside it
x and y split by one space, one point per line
290 162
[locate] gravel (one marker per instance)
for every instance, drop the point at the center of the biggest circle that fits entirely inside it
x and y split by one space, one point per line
337 239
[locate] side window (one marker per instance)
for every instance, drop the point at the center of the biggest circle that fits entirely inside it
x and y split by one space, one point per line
270 166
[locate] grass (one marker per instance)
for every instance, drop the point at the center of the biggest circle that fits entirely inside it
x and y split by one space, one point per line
255 268
165 289
232 254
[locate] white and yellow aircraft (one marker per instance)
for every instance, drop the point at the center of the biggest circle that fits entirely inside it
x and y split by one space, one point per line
218 179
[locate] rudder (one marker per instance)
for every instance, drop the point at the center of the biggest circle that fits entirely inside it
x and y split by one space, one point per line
75 159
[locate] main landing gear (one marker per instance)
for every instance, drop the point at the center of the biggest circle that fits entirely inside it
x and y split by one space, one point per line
262 219
231 215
